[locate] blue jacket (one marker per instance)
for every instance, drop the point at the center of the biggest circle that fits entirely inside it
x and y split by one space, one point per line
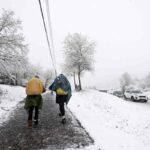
62 82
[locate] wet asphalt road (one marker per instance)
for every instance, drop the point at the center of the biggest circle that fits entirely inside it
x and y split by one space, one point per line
50 134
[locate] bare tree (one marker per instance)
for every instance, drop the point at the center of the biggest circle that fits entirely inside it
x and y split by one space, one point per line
78 53
13 51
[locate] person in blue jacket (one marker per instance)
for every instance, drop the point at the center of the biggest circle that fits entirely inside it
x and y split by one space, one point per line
63 91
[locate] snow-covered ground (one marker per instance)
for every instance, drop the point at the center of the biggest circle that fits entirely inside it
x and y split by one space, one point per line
9 98
115 124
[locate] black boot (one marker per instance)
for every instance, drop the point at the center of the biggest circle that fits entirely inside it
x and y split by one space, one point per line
60 114
36 122
63 121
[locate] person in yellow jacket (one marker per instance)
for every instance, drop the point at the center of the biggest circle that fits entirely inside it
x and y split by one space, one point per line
34 89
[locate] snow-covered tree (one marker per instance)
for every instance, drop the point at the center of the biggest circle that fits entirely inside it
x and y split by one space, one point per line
125 81
33 70
48 77
78 54
146 80
13 51
70 71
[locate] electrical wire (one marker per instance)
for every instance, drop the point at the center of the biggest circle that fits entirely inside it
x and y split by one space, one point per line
50 27
47 37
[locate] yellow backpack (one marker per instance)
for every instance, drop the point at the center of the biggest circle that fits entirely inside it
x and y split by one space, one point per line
60 91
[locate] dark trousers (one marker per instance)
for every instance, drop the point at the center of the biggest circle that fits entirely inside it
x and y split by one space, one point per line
62 108
31 109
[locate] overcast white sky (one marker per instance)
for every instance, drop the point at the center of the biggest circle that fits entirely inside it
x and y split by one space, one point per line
121 29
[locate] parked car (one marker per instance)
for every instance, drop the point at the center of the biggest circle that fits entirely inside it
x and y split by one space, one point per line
118 93
135 95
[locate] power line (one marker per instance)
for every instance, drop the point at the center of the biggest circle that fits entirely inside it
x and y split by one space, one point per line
50 27
47 36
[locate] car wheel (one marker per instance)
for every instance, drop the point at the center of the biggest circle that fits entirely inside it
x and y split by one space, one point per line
125 97
132 98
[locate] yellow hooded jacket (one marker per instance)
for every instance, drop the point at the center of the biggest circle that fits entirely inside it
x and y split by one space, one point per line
34 87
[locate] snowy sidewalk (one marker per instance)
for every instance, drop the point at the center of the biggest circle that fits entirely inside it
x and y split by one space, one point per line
50 134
